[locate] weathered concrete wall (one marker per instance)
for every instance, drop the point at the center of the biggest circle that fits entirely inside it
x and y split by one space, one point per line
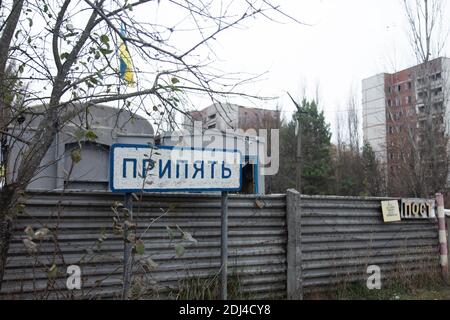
257 243
280 246
341 236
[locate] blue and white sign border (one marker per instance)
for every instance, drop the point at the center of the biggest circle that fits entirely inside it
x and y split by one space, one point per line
125 145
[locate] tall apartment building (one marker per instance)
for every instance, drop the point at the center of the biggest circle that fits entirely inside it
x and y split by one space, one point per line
394 101
219 122
223 116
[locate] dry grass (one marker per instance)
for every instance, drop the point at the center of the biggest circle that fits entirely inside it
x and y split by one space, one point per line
197 288
190 288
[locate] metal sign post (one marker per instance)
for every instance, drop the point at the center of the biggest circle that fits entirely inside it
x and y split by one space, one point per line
224 247
145 168
128 247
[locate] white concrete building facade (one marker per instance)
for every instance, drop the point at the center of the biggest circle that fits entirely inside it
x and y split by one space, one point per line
374 114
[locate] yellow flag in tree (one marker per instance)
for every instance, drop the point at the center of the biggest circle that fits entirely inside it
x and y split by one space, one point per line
126 65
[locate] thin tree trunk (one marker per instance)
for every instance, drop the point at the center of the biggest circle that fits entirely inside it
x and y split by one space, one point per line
5 237
7 200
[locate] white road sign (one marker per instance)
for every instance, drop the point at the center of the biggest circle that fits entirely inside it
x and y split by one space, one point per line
135 168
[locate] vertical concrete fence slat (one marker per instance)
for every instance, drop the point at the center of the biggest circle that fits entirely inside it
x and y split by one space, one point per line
442 235
294 263
447 219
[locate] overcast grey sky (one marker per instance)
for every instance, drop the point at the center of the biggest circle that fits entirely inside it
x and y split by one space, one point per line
349 40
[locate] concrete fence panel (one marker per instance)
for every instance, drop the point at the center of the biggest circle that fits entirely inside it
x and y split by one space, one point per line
83 223
341 236
280 246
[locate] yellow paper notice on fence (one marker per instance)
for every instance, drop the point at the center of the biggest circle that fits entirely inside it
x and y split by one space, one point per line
391 211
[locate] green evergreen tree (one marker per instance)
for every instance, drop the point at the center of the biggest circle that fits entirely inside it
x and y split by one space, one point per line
316 157
373 177
286 178
316 146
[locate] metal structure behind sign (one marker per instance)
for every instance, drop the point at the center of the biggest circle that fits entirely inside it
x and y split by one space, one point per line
224 247
145 168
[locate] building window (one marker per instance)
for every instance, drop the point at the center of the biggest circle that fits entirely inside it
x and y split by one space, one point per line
389 102
421 109
437 91
409 99
409 85
213 116
438 106
212 126
436 76
423 94
399 87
